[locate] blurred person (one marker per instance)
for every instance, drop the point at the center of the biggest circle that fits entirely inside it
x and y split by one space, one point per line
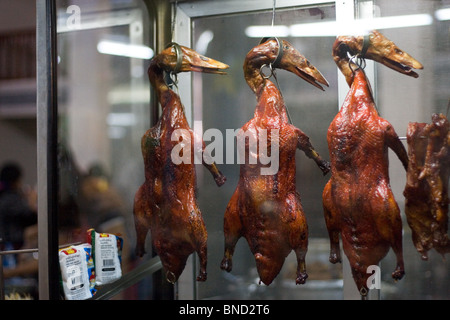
17 209
18 230
99 201
23 277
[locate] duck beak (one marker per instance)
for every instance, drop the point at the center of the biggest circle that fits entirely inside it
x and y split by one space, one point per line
193 61
293 61
190 60
384 51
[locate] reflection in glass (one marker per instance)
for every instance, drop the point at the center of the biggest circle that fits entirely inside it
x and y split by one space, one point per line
104 99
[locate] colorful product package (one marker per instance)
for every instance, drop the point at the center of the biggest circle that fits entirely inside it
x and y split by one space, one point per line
77 272
107 255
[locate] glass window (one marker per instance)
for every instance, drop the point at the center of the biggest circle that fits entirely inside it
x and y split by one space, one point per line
420 28
104 109
227 102
105 102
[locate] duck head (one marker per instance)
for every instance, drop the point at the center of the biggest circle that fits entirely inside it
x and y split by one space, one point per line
375 47
280 54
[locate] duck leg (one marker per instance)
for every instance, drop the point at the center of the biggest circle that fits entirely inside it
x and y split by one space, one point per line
304 144
232 231
332 225
142 214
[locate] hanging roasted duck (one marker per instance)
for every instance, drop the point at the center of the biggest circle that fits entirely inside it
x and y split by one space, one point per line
166 202
358 201
426 190
265 208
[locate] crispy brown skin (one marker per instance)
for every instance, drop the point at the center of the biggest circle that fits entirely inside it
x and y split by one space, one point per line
166 202
357 200
266 209
426 190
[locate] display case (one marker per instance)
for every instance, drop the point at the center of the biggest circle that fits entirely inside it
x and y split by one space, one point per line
95 103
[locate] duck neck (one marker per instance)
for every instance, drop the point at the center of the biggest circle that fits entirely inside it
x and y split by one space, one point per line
270 102
156 77
253 77
360 98
170 102
344 67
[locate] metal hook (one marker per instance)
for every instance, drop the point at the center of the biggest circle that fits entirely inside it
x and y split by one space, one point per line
174 78
279 56
273 12
357 60
170 277
174 18
363 292
272 67
351 60
179 54
266 66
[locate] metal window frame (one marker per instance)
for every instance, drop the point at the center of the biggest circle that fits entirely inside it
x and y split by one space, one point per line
47 90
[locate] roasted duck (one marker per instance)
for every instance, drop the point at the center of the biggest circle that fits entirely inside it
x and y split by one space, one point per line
358 202
166 202
417 191
265 208
426 190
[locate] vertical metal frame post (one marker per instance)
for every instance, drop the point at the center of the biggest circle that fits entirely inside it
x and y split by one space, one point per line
47 111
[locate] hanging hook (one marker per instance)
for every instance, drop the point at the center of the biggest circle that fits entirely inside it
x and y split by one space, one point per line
179 55
273 12
364 293
261 72
359 58
276 62
174 78
174 16
173 74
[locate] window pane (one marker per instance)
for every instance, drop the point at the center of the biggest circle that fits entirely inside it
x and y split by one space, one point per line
401 100
104 109
226 102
